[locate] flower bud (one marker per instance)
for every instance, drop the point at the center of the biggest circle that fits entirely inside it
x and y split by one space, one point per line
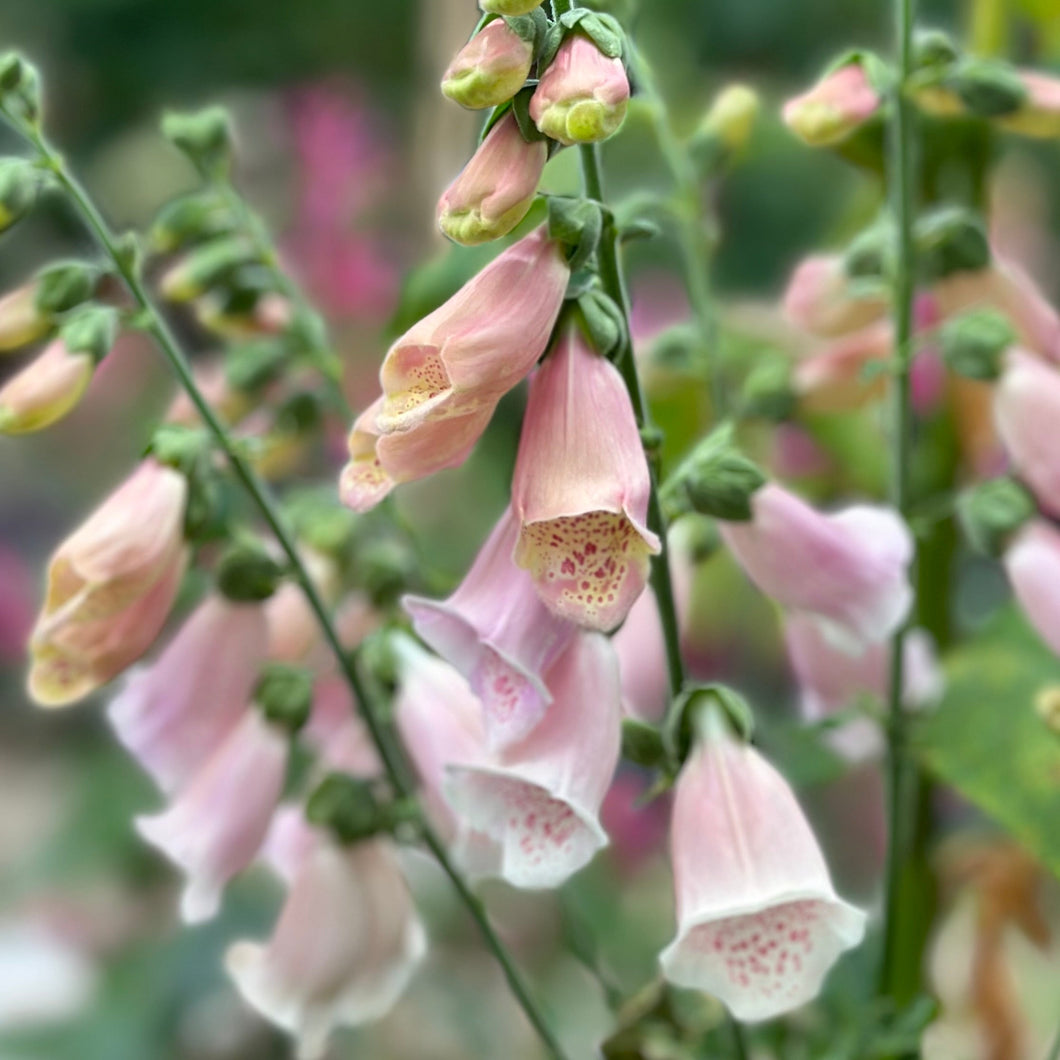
509 7
189 220
21 321
582 96
206 267
983 87
838 104
205 137
716 479
45 390
1039 114
991 512
972 344
490 68
19 184
247 573
284 694
495 190
950 240
729 121
19 88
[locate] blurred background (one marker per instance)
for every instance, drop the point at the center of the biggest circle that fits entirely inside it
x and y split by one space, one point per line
344 145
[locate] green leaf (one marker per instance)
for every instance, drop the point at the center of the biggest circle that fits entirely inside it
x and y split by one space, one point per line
987 739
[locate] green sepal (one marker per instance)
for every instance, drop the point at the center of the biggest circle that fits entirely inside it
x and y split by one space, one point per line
189 220
991 512
643 744
284 694
989 88
347 806
686 717
64 285
948 240
603 30
20 183
20 91
577 224
91 329
246 573
973 343
603 321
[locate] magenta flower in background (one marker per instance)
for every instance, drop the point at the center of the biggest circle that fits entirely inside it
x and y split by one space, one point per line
581 487
759 923
16 605
499 634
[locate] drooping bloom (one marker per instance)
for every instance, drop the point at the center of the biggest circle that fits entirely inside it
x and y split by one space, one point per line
583 95
490 68
496 188
21 322
758 921
538 802
848 568
480 343
839 103
1032 562
832 676
499 634
45 390
173 713
344 948
1026 407
110 587
1039 115
820 298
581 488
219 821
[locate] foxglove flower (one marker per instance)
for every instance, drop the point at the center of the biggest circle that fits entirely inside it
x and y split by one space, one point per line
833 379
344 948
1039 116
820 298
496 188
45 390
21 322
497 632
848 568
538 802
831 678
1032 562
173 713
379 462
219 821
478 345
836 106
758 921
581 489
1026 409
110 587
583 95
490 68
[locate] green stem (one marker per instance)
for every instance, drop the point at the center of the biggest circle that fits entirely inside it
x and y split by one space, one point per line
156 326
611 277
1054 1052
897 967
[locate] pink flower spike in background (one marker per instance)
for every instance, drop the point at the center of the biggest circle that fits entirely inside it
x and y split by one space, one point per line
581 488
850 568
835 107
497 632
172 713
758 922
539 801
218 822
110 587
1032 562
820 298
345 946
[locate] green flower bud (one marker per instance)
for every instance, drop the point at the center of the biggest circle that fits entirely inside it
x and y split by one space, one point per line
950 240
189 220
284 693
973 343
208 266
993 511
91 329
246 573
61 287
642 744
19 88
716 479
347 807
701 707
204 136
19 183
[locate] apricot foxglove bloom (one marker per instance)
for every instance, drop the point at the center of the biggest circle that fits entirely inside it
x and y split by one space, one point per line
538 802
581 489
839 103
758 921
344 948
475 347
831 677
21 322
110 587
496 188
1026 407
1032 562
848 568
490 68
219 821
583 95
499 634
173 713
45 390
820 298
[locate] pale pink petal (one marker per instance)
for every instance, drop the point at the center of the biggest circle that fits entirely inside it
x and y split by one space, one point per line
1032 563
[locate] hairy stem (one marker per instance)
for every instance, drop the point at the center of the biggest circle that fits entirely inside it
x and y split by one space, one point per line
156 326
898 965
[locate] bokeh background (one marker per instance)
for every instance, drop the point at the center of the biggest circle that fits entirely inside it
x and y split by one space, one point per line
344 145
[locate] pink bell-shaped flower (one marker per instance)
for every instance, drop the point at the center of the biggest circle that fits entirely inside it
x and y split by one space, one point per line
848 568
496 188
219 821
344 948
838 104
110 587
497 632
758 921
21 321
1032 562
173 713
582 96
820 298
1026 409
581 489
538 802
478 345
49 387
490 68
